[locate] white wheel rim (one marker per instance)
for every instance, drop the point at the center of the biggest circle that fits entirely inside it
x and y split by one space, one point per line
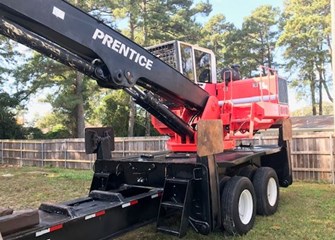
272 192
245 206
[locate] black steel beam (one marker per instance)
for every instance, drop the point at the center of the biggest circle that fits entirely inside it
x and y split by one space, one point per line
52 50
47 48
125 62
148 101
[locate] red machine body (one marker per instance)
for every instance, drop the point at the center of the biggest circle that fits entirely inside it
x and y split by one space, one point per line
243 105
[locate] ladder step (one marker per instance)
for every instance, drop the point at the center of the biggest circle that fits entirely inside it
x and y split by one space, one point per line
172 205
175 188
168 230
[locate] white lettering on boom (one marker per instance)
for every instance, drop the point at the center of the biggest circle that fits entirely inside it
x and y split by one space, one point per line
122 49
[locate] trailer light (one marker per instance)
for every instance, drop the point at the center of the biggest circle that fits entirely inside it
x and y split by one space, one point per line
130 203
97 214
156 195
49 230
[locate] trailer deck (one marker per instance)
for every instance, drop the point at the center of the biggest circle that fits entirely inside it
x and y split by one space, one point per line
101 215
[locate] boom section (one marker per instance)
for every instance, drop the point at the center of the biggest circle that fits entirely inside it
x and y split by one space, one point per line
121 62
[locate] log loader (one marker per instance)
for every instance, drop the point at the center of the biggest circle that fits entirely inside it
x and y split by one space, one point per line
206 180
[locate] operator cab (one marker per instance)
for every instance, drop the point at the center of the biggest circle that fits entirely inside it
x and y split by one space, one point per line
196 63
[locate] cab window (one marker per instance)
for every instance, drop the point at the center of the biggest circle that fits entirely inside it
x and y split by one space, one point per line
203 66
187 61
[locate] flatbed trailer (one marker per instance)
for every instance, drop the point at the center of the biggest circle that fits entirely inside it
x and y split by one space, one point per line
127 193
101 215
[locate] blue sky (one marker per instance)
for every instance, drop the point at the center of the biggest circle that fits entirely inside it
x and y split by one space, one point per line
236 10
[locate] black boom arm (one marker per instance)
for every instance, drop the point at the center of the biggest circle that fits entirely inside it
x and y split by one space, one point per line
61 31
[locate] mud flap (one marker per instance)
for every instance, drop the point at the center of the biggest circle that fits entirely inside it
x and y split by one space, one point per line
281 161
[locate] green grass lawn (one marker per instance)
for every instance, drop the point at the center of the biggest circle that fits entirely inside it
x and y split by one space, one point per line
306 210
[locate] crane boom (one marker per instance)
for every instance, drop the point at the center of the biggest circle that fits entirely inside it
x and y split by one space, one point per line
109 57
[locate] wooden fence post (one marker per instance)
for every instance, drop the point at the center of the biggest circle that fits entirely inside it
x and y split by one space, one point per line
163 144
42 153
332 157
260 139
2 154
123 147
21 154
65 153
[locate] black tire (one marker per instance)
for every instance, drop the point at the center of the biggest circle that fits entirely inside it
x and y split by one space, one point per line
247 171
267 191
238 190
222 183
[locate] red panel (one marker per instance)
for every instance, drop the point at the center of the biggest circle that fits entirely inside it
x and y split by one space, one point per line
212 109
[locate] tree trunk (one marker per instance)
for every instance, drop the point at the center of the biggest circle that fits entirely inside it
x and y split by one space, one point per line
320 97
132 107
132 115
269 56
79 109
147 124
145 23
145 42
320 91
327 91
312 88
330 47
326 86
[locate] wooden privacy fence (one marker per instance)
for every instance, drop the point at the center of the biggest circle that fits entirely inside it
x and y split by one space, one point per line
70 153
312 153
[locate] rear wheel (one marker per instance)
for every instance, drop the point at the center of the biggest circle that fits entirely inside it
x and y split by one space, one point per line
266 186
238 205
247 171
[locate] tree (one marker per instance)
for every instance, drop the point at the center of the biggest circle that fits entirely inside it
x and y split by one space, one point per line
214 36
53 125
40 73
307 111
70 89
112 109
254 44
173 20
9 97
261 29
306 40
9 129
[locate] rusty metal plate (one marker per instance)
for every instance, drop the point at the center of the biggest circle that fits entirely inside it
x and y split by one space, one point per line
210 137
287 129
